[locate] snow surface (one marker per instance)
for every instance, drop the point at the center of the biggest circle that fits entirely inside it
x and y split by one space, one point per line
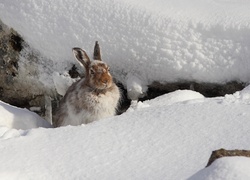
161 40
170 137
233 168
17 118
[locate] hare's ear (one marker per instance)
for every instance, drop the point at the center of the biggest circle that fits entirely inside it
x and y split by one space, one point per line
97 52
81 56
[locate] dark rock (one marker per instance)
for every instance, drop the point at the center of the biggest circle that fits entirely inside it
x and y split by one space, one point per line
19 71
226 153
16 41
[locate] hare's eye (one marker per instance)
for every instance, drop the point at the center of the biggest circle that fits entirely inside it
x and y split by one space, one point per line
92 71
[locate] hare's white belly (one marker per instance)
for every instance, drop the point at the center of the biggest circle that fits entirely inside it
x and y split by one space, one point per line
99 107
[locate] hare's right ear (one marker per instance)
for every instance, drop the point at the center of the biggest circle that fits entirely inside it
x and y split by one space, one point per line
97 52
81 56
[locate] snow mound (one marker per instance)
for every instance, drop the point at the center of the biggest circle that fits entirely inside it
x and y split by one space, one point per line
229 168
244 94
135 87
17 118
163 40
179 96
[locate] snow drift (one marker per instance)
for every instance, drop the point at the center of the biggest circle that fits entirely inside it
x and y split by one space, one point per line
153 41
171 138
17 118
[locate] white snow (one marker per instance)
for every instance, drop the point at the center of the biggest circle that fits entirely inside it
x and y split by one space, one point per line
168 99
62 82
233 168
161 40
17 118
170 137
135 87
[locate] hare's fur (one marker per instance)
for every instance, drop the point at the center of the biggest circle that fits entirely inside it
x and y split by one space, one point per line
89 99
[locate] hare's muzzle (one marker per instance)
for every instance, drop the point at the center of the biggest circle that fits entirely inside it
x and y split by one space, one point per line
106 79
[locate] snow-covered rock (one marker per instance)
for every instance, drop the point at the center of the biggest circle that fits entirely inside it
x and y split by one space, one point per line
22 71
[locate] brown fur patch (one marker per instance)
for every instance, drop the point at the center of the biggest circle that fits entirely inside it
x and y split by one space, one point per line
101 77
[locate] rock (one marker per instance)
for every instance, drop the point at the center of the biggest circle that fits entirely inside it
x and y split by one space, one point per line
224 153
20 72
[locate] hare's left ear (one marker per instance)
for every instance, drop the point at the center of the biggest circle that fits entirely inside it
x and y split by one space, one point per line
81 57
97 52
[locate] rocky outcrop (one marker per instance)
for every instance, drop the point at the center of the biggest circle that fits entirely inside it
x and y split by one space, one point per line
225 153
20 73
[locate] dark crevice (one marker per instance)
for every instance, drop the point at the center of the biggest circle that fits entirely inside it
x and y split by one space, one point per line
73 72
124 102
16 42
207 89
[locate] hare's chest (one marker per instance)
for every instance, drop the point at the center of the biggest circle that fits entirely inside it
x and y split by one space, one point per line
101 102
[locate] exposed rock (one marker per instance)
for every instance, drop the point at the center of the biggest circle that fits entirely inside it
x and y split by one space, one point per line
20 73
224 153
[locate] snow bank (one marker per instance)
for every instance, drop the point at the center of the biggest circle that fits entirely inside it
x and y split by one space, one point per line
163 141
163 40
229 168
17 118
180 96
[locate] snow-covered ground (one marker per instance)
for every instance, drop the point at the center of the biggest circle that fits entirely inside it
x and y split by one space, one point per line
170 137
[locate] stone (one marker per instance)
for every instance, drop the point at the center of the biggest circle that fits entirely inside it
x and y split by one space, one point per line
226 153
19 72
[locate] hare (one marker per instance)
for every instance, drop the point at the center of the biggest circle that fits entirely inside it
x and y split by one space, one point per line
91 98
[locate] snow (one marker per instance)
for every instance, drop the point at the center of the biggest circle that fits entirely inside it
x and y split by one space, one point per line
168 99
17 118
233 168
135 87
169 137
161 40
62 82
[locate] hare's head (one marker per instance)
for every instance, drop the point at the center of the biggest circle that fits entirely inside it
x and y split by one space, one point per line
97 72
